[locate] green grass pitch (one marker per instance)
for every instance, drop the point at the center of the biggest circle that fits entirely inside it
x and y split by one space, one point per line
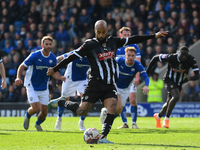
183 134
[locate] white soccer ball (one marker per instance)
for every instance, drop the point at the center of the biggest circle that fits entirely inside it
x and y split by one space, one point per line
91 136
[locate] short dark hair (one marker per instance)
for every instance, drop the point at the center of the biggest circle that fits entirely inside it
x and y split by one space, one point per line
184 48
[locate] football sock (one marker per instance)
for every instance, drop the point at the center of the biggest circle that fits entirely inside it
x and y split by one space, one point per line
27 115
171 106
123 115
60 111
82 118
73 106
107 125
38 122
134 113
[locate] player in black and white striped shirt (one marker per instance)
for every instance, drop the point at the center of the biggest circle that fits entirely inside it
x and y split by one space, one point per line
100 52
177 74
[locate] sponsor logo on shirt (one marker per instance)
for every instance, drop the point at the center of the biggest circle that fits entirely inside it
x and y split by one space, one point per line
106 55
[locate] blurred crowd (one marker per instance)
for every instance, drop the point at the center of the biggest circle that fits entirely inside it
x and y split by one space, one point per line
70 22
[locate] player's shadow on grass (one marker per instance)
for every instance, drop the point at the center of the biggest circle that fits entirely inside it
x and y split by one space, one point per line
5 134
168 146
32 130
155 131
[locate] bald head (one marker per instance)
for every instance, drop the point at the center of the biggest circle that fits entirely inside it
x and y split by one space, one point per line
100 29
100 23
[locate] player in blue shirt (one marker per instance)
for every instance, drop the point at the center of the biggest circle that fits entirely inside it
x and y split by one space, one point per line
76 81
128 68
125 32
36 81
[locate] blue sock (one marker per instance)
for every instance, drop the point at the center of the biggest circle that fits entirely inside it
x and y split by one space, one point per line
27 115
60 111
38 122
123 115
134 113
82 118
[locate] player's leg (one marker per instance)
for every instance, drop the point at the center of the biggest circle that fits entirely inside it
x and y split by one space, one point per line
123 116
60 113
110 102
41 117
122 96
34 106
175 93
44 99
80 89
133 103
157 116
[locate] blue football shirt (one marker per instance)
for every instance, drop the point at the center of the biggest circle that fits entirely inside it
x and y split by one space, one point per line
36 74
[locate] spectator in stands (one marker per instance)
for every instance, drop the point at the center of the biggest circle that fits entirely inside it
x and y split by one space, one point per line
33 30
84 21
22 97
172 27
11 95
62 35
155 89
196 24
193 92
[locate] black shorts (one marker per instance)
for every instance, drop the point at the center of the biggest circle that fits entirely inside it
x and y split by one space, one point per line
170 85
97 90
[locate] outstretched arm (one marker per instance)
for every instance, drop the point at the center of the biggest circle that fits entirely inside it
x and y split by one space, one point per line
63 63
3 75
140 38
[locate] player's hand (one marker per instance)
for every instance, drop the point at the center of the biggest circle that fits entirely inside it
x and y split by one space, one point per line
145 90
186 76
63 78
3 84
18 81
50 71
161 33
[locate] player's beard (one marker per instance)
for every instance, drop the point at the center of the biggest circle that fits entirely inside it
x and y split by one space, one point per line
101 40
47 50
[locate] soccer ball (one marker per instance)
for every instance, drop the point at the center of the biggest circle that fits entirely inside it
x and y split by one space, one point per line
91 136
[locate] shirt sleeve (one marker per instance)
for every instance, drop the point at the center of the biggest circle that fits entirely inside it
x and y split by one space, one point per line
29 60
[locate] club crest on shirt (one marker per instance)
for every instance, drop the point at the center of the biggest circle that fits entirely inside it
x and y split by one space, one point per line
104 44
50 61
164 55
132 69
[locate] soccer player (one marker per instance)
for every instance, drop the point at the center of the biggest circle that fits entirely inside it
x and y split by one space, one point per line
76 81
177 74
100 52
36 81
3 74
128 68
125 32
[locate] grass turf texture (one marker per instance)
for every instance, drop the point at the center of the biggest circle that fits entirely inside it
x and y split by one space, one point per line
183 134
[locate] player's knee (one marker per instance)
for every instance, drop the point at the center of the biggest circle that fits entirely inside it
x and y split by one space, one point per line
133 102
